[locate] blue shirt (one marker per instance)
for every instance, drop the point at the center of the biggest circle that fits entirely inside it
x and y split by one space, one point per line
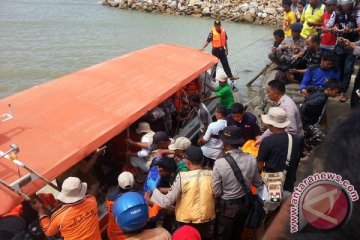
250 128
318 77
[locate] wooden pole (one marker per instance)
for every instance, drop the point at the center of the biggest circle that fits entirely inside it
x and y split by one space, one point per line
258 75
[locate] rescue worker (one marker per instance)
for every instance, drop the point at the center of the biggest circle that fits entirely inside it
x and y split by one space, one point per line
77 218
346 23
218 38
126 183
131 213
188 186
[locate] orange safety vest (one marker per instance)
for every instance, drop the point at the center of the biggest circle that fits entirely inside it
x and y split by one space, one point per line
218 39
113 230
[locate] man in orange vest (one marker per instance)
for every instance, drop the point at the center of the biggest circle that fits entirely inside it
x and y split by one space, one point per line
218 38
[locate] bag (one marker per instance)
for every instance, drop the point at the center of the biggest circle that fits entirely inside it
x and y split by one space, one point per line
275 181
256 215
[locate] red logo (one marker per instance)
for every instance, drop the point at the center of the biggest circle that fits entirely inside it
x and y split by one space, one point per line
326 205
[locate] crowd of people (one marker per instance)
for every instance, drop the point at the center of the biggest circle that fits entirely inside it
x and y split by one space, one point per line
185 189
320 46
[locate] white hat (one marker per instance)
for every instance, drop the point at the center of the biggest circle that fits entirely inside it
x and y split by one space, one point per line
143 127
181 143
276 117
126 180
221 77
72 190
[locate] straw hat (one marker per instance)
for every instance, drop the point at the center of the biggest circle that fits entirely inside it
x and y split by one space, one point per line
72 190
143 127
181 143
276 117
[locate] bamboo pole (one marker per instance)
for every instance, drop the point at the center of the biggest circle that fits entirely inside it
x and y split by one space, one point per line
258 75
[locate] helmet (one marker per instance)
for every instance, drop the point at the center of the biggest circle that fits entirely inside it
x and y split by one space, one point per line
131 212
343 2
331 2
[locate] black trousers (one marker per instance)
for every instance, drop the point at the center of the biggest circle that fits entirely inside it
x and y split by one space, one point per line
206 230
221 55
355 99
230 219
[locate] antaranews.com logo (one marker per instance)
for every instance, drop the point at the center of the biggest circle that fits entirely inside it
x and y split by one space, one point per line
323 200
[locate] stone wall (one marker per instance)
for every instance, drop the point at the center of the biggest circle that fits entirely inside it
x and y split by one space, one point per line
268 12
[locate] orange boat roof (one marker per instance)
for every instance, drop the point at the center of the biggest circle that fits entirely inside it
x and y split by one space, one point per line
60 122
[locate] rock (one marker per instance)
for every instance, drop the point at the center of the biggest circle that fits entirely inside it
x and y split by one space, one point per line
244 7
161 7
195 3
206 11
248 17
252 11
280 10
114 3
172 5
259 14
197 10
264 15
261 8
270 10
254 5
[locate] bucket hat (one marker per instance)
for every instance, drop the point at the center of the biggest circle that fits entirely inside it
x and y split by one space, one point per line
72 190
276 117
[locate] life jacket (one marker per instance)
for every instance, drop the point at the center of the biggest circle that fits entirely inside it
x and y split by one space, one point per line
178 100
113 230
347 20
196 203
218 39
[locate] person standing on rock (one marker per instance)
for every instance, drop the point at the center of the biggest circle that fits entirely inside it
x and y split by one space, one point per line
218 38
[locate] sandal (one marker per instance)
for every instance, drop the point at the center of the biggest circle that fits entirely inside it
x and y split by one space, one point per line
343 97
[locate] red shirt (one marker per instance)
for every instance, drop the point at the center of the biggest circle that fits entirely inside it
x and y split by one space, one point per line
328 40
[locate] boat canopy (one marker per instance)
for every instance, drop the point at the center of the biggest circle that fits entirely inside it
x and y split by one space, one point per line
59 123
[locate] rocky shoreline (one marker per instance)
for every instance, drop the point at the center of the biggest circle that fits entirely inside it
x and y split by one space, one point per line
266 12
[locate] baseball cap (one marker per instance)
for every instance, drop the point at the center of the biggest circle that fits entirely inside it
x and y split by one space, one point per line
126 180
194 155
181 143
186 232
296 27
232 135
157 138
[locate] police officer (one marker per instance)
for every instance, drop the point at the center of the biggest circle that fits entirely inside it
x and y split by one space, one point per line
218 38
346 23
232 208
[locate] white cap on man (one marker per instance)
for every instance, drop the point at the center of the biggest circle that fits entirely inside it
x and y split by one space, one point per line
126 180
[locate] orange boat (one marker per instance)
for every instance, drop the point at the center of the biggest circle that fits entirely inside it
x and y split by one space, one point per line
59 123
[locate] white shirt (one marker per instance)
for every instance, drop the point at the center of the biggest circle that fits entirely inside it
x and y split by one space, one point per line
147 138
214 146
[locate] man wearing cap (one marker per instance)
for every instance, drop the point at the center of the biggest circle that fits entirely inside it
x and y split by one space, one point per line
178 148
232 208
126 183
77 218
212 145
273 149
244 120
192 194
218 38
139 158
223 92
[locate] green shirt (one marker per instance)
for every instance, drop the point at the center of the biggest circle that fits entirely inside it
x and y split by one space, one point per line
226 95
181 167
